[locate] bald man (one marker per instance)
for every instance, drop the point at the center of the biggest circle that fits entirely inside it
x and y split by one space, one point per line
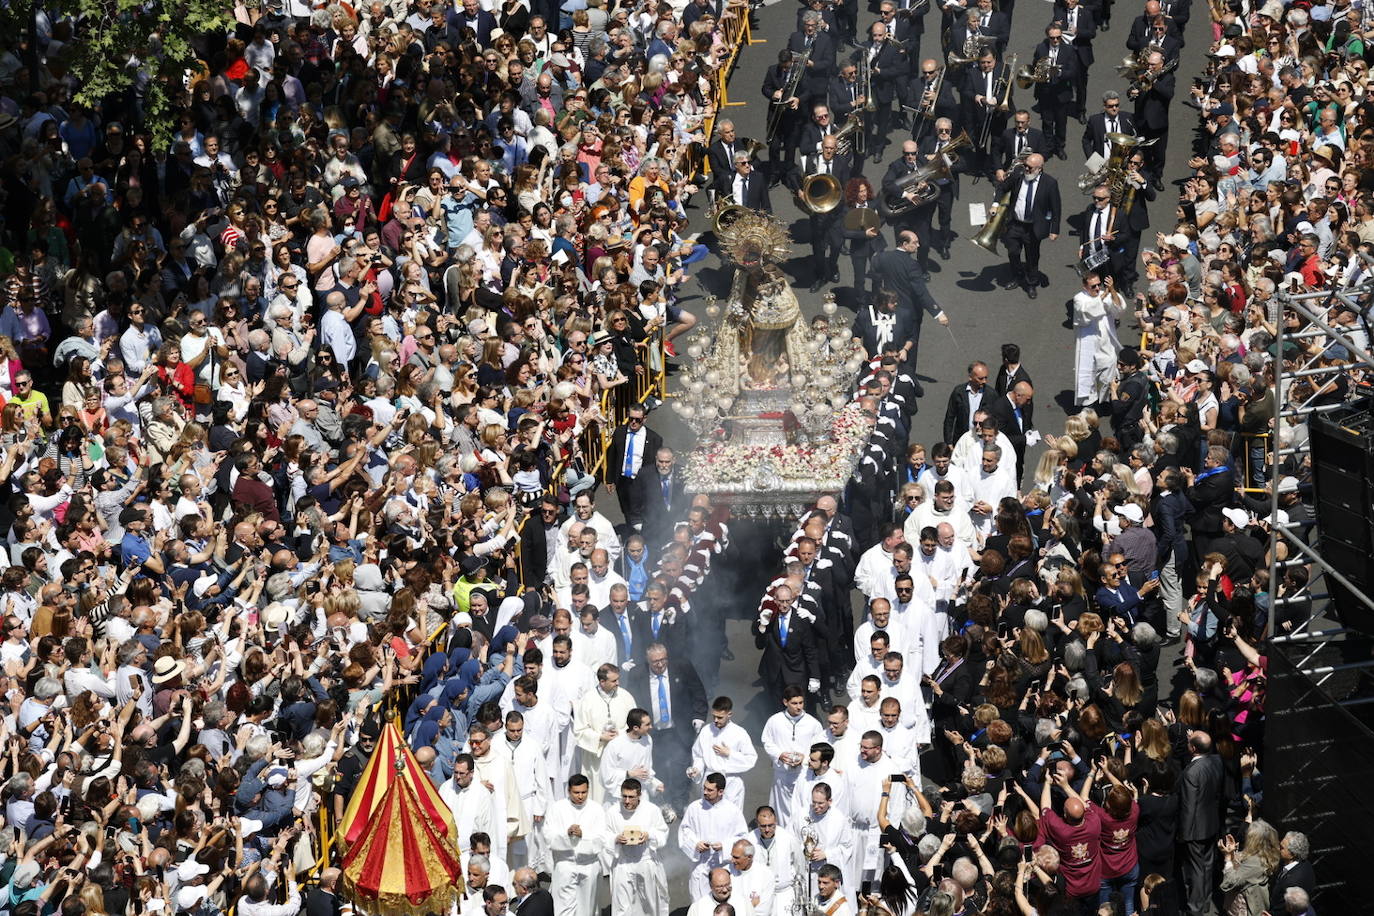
1034 217
1076 836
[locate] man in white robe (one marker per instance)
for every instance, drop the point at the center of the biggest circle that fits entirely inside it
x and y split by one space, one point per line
577 835
942 506
584 511
541 721
995 480
710 825
601 578
942 467
721 889
877 560
831 897
880 618
1096 308
840 734
593 644
639 886
752 877
629 755
866 710
900 742
787 739
496 773
723 747
820 768
866 787
905 687
472 804
570 679
834 838
776 849
527 759
598 717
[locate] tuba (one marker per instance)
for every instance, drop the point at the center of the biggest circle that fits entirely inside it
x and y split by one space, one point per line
974 46
987 237
844 137
896 203
1040 71
1113 171
819 194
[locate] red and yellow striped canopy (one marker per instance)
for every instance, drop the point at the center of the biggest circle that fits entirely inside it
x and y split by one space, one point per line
403 861
378 775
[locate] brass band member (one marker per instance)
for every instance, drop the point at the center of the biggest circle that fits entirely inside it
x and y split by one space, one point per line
885 66
825 241
864 243
1034 217
931 148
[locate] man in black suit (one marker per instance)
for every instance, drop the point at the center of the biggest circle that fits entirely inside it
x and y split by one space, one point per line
1080 28
721 152
821 125
782 141
931 147
1294 870
1100 234
1110 120
1152 115
1199 822
983 88
820 64
632 450
324 900
825 253
1015 415
984 21
886 67
924 96
1034 217
844 94
631 636
1055 96
1017 139
479 20
1152 27
788 642
905 165
1137 210
1011 371
895 270
882 327
527 897
664 497
676 701
905 28
745 186
964 401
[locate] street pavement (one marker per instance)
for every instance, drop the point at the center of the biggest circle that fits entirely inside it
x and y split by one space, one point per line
982 315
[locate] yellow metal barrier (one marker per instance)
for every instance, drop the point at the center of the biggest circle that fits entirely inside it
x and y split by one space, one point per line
1245 439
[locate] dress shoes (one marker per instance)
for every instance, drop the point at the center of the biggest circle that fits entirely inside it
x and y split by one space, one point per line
1031 292
834 276
816 286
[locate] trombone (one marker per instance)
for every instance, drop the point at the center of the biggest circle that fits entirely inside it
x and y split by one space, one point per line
789 91
1003 104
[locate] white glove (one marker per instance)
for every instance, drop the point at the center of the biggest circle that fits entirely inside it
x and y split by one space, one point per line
765 617
813 686
669 616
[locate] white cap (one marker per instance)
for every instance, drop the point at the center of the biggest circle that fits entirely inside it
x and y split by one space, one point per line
1196 365
188 898
248 826
190 870
1287 485
1278 518
1131 512
1225 51
1238 517
276 777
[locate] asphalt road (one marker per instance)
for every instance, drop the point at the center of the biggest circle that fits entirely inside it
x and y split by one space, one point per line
982 315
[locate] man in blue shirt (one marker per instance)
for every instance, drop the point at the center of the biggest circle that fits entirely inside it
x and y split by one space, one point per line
136 548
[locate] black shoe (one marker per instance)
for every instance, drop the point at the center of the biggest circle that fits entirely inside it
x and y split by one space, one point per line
835 276
816 286
1158 184
943 252
1031 292
1042 280
1008 284
925 275
726 655
1061 154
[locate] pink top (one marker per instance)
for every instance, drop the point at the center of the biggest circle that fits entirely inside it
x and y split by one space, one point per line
1118 843
1079 848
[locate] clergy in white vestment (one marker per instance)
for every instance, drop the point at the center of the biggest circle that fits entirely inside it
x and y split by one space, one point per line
723 747
752 877
629 755
877 560
598 717
867 782
787 739
869 663
842 736
924 625
900 742
942 506
866 711
831 898
776 849
905 686
1096 308
820 768
601 577
885 586
584 512
527 759
942 467
639 886
995 480
472 804
968 451
477 877
496 773
721 889
832 836
526 697
577 836
593 644
571 679
710 825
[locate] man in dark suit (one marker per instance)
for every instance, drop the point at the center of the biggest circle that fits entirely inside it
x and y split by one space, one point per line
821 125
1152 115
1294 870
745 186
924 96
844 93
1137 209
721 153
676 701
1152 26
479 20
820 64
825 253
983 88
1011 371
1034 217
891 187
1015 415
1210 491
527 897
904 27
886 67
1199 822
787 113
664 496
788 642
895 270
881 326
932 147
632 450
1100 236
984 21
1018 138
1110 120
1170 512
1080 28
324 900
1055 96
631 636
964 401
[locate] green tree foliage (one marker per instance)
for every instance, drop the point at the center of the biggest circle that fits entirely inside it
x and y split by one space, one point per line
123 45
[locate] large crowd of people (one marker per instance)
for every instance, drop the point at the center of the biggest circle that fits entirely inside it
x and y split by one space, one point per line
308 410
